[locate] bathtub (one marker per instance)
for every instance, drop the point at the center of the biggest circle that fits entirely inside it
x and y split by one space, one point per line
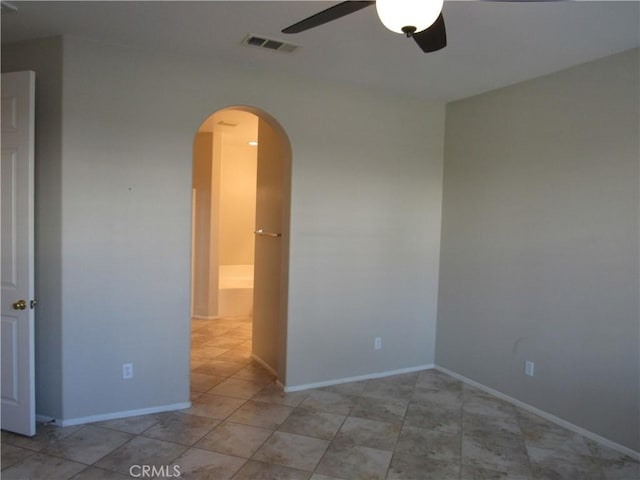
235 290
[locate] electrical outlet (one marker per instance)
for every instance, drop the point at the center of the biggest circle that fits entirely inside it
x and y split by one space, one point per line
377 344
127 371
528 368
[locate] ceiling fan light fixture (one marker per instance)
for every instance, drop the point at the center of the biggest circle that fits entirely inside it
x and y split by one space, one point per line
408 16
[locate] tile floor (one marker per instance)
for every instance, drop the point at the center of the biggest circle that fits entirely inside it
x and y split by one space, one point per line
422 425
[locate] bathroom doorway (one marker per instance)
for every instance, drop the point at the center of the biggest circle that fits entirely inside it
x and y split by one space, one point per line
240 246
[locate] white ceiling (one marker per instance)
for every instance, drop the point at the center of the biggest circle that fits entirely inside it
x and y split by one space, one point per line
490 44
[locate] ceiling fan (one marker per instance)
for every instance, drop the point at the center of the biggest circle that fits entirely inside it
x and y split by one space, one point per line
418 19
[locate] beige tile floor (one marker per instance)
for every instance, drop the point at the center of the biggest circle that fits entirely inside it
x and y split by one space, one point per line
423 425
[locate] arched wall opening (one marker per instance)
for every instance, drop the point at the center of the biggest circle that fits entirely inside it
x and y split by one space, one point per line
240 241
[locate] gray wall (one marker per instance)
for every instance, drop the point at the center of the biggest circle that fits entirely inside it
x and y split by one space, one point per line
540 244
365 224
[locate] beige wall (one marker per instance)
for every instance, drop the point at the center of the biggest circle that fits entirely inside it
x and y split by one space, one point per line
206 205
238 167
274 158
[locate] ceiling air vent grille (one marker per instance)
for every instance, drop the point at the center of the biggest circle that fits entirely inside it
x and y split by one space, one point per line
260 41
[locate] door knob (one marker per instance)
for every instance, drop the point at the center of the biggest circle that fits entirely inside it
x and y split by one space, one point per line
20 305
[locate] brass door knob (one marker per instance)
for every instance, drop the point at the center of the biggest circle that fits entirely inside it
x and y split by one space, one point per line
20 305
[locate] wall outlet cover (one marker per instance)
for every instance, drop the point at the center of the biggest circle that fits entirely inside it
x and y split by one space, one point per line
127 371
529 368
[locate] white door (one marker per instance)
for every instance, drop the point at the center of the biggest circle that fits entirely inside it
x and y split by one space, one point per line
18 385
268 247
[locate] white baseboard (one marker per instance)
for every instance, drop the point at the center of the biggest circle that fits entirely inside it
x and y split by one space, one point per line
552 418
370 376
67 422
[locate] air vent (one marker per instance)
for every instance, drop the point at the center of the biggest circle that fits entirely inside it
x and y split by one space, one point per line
259 41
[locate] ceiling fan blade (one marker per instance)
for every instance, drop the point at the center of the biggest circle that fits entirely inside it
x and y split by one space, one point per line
433 38
328 15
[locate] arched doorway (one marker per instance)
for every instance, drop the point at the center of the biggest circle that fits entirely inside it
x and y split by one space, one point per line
240 244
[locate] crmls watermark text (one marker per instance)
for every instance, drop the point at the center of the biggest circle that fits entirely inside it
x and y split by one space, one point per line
153 471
